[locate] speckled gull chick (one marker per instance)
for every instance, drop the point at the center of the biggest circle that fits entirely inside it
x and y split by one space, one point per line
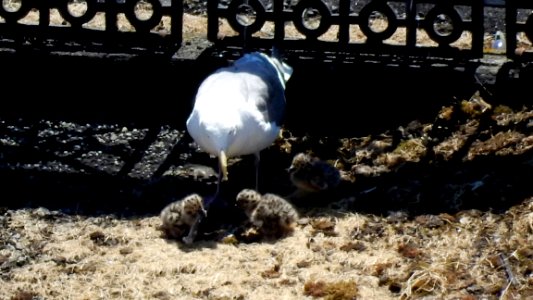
238 110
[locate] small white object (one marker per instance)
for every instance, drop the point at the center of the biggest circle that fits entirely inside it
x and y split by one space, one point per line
499 41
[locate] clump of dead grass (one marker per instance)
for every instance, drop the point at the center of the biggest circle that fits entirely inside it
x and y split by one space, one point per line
340 290
324 225
411 149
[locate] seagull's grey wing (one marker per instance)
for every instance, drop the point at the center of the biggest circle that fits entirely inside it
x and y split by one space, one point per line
266 89
272 108
269 97
276 109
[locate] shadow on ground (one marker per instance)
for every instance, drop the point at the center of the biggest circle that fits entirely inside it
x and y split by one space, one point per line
106 135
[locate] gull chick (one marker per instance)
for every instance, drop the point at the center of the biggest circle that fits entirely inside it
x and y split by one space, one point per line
309 174
238 110
272 215
182 217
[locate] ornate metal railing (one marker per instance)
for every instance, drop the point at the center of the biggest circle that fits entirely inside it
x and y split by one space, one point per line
412 28
515 26
91 25
446 29
403 26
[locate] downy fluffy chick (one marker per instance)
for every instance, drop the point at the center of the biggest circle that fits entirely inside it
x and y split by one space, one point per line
272 215
309 174
182 217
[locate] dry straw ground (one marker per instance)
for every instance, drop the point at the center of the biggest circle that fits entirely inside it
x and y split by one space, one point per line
470 255
335 253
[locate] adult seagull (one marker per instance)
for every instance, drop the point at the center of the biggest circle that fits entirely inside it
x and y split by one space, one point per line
238 110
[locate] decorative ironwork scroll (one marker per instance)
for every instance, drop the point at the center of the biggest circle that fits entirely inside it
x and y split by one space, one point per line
515 26
381 27
92 25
